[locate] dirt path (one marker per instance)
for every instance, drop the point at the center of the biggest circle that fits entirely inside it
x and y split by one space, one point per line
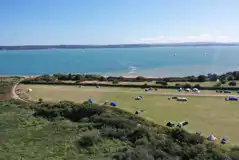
14 95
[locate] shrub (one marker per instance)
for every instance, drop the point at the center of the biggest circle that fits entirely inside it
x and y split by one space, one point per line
178 85
40 100
218 84
187 85
182 136
201 78
223 81
140 79
197 86
162 83
230 78
115 82
232 83
90 138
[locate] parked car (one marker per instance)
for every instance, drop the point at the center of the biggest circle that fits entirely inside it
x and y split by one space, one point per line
219 91
227 91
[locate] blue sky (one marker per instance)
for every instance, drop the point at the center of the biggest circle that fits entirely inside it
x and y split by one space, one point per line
31 22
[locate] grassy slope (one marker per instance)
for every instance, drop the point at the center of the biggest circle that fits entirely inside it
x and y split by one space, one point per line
28 137
24 136
208 115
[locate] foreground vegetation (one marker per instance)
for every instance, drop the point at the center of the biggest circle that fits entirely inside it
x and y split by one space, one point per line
69 131
210 115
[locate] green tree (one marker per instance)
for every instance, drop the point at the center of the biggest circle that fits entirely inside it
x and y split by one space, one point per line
202 78
69 77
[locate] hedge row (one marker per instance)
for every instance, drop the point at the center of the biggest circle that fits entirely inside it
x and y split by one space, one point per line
129 85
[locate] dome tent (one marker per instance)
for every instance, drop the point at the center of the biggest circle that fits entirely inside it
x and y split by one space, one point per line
224 140
90 101
212 138
231 99
113 104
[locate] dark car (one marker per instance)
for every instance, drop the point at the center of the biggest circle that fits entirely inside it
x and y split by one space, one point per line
219 91
227 91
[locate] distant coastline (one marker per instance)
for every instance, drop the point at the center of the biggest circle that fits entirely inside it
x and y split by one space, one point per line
39 47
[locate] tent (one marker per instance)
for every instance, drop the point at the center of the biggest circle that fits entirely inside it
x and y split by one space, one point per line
90 101
106 102
180 89
138 98
224 140
146 89
212 138
196 90
188 90
183 123
170 124
97 86
183 99
138 112
198 132
113 104
231 99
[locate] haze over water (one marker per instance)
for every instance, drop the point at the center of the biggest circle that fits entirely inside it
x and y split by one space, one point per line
151 61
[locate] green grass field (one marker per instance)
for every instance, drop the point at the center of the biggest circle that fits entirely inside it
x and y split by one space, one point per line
206 114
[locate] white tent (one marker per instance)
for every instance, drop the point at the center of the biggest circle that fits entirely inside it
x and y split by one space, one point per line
184 99
188 89
212 138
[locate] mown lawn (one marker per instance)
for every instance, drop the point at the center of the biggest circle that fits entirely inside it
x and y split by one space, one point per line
206 114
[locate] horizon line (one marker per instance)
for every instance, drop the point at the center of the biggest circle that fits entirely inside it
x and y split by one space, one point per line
118 44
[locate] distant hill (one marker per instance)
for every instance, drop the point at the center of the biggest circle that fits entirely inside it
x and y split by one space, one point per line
32 47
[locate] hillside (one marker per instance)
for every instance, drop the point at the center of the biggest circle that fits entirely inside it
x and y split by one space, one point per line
70 131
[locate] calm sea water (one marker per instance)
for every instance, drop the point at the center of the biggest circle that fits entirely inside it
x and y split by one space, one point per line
154 61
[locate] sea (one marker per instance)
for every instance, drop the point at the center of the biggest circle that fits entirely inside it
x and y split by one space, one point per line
148 61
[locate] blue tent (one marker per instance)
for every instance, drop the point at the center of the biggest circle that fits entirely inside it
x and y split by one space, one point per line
146 89
90 101
114 104
97 86
232 99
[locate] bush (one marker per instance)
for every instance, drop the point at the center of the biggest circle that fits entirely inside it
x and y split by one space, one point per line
115 82
218 84
223 81
140 79
185 137
197 86
162 83
187 85
178 85
230 78
90 138
232 83
40 100
201 78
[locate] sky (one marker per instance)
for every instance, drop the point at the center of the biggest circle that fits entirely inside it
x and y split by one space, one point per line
54 22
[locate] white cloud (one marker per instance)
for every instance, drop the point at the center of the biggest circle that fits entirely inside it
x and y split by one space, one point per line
180 39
